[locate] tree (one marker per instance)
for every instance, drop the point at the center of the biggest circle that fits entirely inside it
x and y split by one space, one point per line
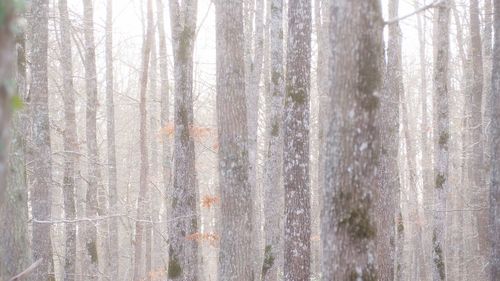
183 253
297 247
15 253
142 204
114 238
352 142
389 183
71 160
494 182
236 197
95 198
441 138
273 199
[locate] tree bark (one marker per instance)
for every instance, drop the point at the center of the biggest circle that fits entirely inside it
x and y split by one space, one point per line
71 159
494 183
273 199
183 252
236 199
441 138
114 237
142 203
297 247
352 143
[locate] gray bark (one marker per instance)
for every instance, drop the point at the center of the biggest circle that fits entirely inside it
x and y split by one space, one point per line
183 260
273 193
352 143
297 244
235 254
441 139
71 159
142 203
114 238
494 182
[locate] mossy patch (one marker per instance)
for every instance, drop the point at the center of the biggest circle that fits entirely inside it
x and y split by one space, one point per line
174 268
443 138
358 223
275 129
438 257
92 251
297 96
268 260
440 180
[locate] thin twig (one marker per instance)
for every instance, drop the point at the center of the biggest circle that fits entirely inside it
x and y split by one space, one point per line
27 270
421 9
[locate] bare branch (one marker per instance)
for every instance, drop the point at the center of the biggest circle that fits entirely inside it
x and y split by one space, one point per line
26 271
419 10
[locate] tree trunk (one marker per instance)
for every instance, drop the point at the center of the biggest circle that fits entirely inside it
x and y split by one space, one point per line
273 193
71 159
297 247
441 138
352 143
183 252
15 254
236 199
142 203
388 200
161 252
114 261
41 180
495 150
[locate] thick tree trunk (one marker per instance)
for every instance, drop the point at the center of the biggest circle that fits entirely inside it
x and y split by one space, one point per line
183 252
71 159
236 199
41 179
142 203
494 182
297 246
114 261
273 193
352 144
15 254
441 139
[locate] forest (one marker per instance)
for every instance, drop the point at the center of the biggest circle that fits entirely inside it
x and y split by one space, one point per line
250 140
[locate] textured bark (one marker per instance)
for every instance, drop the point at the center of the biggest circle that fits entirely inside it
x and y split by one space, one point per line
15 254
441 139
273 193
161 253
142 202
494 182
236 199
183 259
352 143
388 181
114 238
41 180
95 197
297 246
71 159
474 100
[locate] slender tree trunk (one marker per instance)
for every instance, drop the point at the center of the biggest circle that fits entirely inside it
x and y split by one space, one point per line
71 161
142 204
236 199
441 138
297 247
15 254
114 238
348 225
183 260
273 193
388 200
161 252
41 180
494 182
